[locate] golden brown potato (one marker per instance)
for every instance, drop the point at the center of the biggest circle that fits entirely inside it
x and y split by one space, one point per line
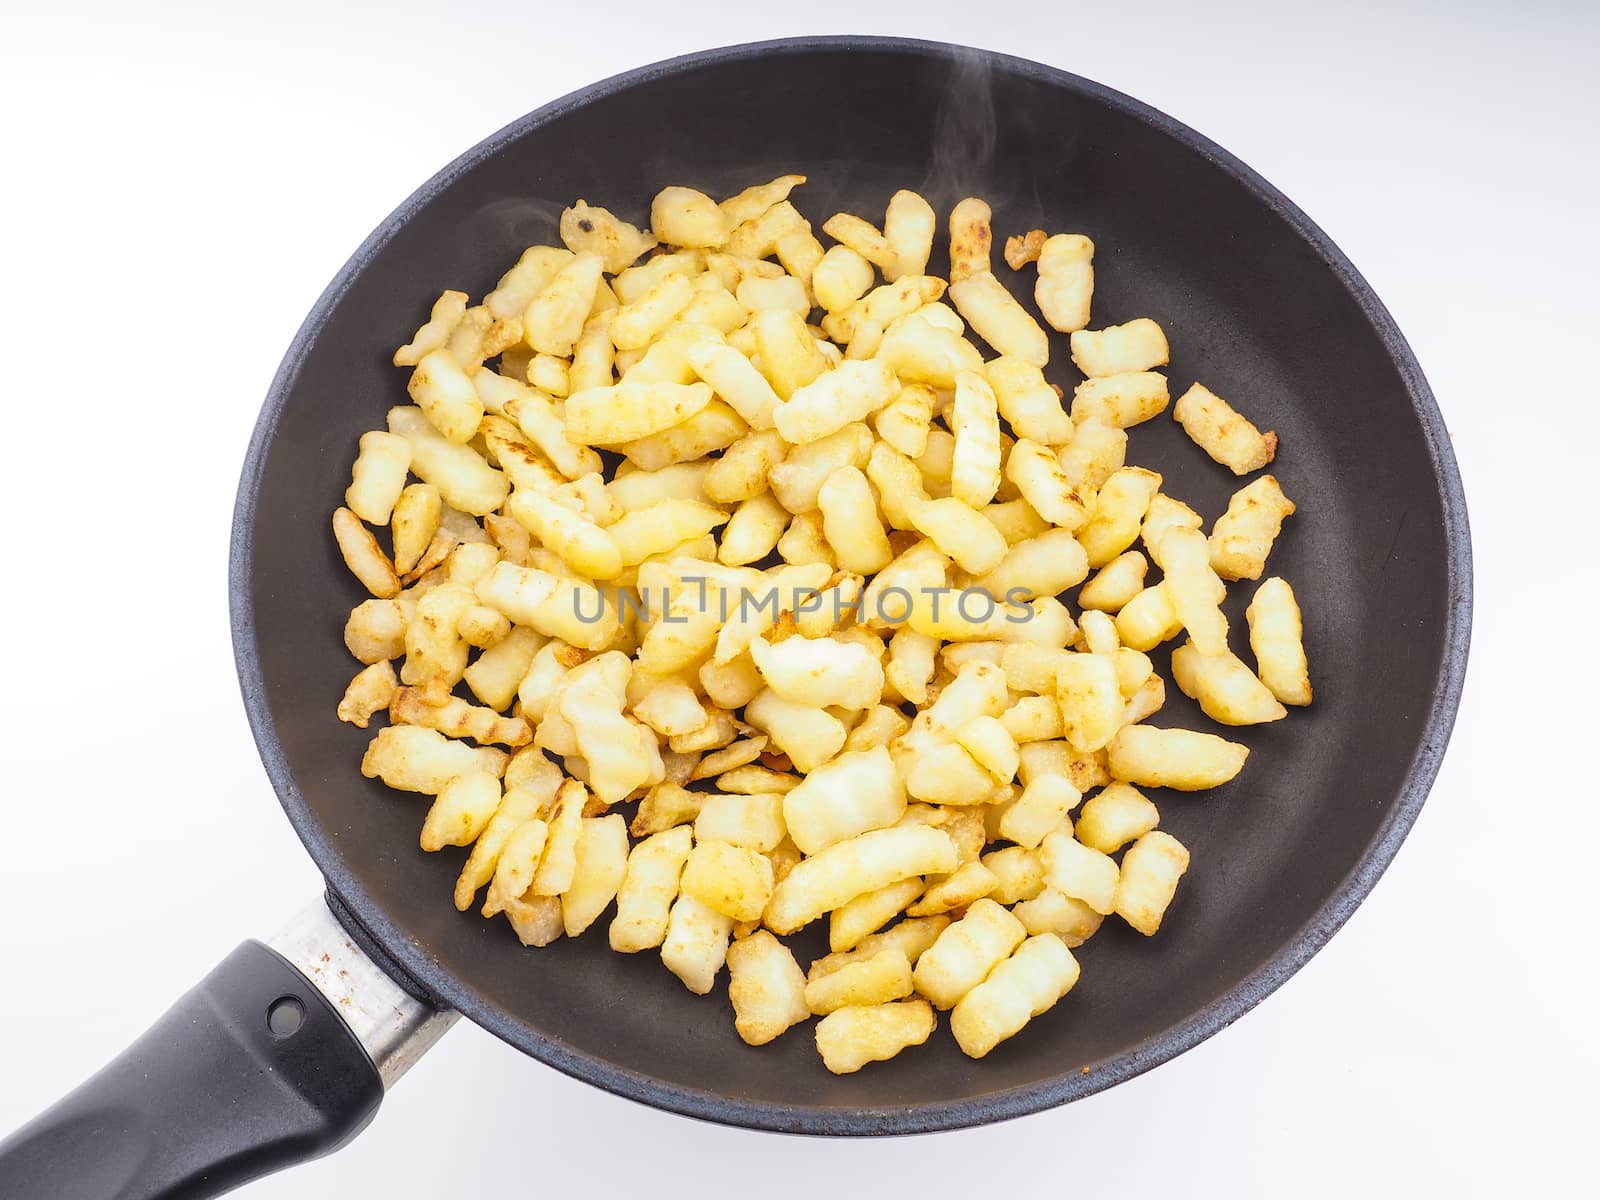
667 531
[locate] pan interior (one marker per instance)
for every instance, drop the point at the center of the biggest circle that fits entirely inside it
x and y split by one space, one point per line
1251 308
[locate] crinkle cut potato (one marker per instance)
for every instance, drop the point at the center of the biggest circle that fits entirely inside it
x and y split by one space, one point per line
729 581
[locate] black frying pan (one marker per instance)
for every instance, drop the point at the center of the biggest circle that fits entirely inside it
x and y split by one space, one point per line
254 1069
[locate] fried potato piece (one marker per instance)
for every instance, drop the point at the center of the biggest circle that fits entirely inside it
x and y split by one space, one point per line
1275 639
733 880
790 358
1022 249
966 952
852 794
753 821
602 859
1137 346
757 780
414 522
621 755
797 481
585 547
532 796
1027 401
948 775
1228 437
1018 873
919 351
714 427
860 864
1123 400
696 944
1228 691
1193 589
363 555
412 758
671 523
1150 872
959 532
665 806
1065 287
799 252
975 421
864 238
759 237
461 811
970 237
996 316
1039 811
370 691
848 393
454 717
1073 921
911 937
854 922
1038 973
820 672
536 920
637 325
1243 536
626 412
1176 758
967 883
1148 619
463 479
766 987
908 226
753 201
1115 584
1046 565
808 734
446 314
850 1038
877 979
515 868
555 317
1079 872
1032 719
378 476
904 422
1114 816
649 886
495 676
682 216
1095 452
559 864
1046 485
545 428
1090 700
586 229
1118 514
742 471
446 395
850 522
840 279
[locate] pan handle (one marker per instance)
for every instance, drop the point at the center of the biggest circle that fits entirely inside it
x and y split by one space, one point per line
279 1055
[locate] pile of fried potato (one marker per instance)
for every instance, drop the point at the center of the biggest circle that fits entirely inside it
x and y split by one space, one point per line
790 584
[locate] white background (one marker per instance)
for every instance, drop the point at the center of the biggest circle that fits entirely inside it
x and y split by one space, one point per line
179 184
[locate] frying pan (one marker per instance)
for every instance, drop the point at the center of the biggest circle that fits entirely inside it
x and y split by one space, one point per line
283 1053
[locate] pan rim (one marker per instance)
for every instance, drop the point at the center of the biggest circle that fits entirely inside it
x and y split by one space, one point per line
435 977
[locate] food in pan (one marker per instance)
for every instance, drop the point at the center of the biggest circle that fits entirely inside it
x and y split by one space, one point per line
725 574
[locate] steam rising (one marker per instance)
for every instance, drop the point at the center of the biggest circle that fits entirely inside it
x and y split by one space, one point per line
964 134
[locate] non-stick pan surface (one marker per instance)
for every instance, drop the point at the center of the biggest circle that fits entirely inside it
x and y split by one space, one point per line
1257 303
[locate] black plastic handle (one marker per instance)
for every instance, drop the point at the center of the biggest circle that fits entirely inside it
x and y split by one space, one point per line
252 1071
